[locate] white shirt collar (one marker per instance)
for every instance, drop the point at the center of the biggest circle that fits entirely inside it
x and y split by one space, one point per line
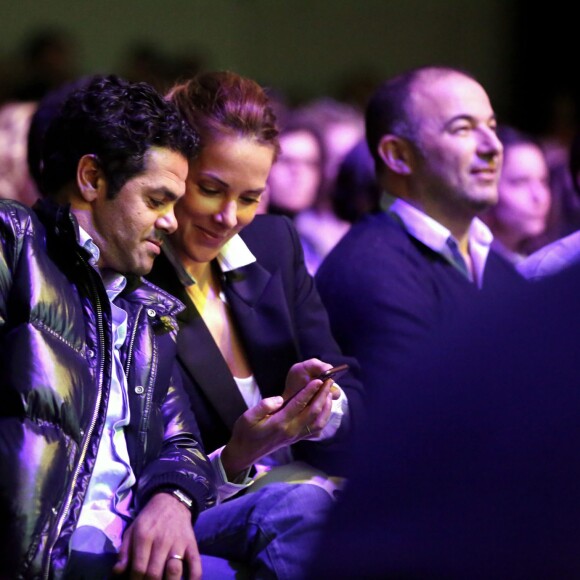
114 282
234 254
87 243
434 235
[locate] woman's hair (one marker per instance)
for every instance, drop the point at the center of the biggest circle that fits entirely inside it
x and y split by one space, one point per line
224 103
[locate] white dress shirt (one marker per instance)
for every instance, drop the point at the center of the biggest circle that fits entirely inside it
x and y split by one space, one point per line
106 505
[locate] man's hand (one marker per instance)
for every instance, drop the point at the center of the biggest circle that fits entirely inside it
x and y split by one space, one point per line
162 529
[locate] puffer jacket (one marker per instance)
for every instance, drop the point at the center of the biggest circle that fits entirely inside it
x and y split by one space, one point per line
55 370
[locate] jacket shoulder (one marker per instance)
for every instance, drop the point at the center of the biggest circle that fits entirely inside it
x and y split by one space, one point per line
151 295
271 237
376 238
267 225
20 217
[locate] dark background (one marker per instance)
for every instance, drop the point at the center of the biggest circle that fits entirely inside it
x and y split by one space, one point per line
520 51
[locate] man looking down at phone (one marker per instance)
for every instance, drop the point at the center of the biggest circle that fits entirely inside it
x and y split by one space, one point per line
399 273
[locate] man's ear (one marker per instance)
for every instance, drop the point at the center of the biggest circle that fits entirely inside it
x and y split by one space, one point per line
90 179
396 154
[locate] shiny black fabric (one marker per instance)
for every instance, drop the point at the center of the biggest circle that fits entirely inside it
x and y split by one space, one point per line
55 368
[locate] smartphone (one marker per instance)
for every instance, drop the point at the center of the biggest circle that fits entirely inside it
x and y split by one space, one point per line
333 373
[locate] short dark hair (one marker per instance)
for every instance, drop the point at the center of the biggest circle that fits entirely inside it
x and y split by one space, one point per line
118 122
387 112
47 109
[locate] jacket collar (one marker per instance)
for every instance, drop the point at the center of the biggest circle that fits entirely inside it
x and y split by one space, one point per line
61 224
235 254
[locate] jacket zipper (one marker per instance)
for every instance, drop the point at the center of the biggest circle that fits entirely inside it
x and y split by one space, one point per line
101 372
131 345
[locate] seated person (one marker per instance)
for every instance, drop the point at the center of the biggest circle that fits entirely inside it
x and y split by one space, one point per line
562 252
524 197
252 310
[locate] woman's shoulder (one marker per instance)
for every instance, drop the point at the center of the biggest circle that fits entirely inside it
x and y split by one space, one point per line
269 233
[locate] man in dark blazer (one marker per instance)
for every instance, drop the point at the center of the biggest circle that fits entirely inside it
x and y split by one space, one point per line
478 474
397 274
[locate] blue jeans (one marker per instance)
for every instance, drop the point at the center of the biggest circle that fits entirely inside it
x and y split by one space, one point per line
271 532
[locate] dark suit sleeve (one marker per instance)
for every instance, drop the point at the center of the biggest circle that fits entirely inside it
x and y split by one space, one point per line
314 339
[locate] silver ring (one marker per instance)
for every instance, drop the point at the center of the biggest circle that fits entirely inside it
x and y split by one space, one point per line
175 557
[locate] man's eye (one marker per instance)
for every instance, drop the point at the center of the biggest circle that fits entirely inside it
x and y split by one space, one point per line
156 203
461 129
250 200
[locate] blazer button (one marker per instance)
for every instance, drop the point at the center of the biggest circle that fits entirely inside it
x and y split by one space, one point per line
139 390
151 313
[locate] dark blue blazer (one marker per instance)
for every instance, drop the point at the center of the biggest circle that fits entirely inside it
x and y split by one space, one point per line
280 320
385 292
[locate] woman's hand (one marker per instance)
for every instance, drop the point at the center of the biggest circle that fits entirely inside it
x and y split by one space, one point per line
300 413
301 373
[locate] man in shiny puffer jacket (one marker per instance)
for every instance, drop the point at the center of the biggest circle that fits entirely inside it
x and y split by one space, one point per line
87 349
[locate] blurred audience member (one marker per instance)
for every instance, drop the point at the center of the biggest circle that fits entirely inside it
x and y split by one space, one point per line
48 108
15 180
146 62
341 127
523 196
297 176
564 217
563 251
296 180
356 190
315 139
49 61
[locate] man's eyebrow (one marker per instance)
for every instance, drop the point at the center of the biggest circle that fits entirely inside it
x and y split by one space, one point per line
461 117
470 118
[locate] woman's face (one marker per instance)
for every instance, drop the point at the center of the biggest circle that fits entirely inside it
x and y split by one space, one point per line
524 194
224 186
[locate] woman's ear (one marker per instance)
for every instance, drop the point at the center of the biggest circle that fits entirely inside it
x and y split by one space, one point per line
396 154
90 179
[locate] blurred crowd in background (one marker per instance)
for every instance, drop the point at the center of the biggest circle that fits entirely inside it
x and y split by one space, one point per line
324 178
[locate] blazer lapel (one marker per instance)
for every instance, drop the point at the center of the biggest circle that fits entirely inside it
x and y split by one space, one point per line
247 284
198 354
203 362
261 321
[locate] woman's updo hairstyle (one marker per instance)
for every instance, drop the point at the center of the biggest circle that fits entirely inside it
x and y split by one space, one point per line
223 103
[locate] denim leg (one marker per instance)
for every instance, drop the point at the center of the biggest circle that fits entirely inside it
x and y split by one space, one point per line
273 530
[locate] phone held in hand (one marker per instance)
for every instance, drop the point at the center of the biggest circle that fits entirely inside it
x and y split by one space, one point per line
333 373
